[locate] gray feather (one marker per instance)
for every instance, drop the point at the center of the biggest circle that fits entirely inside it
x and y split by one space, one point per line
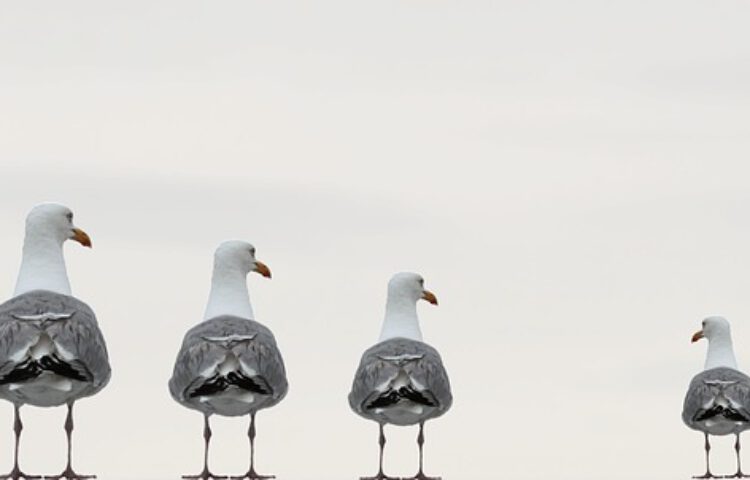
201 350
704 388
382 363
69 322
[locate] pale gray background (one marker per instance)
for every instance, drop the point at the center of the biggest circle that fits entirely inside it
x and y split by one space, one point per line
570 177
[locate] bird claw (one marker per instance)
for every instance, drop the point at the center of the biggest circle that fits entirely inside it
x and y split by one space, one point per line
205 475
17 474
380 476
706 475
252 475
736 475
69 474
420 476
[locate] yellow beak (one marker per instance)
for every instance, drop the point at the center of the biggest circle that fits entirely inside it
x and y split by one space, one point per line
429 296
697 336
261 268
81 237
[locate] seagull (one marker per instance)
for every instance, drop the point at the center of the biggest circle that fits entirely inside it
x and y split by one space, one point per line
718 398
229 364
401 380
51 349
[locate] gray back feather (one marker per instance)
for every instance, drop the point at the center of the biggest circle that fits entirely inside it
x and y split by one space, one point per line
700 393
374 370
78 335
197 354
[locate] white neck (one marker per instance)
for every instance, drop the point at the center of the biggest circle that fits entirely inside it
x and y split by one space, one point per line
228 294
400 319
42 266
720 352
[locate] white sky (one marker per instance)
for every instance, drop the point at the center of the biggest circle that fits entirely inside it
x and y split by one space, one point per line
571 178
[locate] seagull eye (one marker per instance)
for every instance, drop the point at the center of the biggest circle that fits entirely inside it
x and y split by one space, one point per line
252 252
69 216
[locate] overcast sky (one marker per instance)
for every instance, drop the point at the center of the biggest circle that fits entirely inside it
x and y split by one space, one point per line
571 178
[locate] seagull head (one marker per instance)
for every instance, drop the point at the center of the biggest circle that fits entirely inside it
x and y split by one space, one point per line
54 221
238 254
711 328
407 286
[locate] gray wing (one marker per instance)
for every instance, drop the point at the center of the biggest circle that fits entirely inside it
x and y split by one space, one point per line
69 323
15 338
381 364
705 387
206 345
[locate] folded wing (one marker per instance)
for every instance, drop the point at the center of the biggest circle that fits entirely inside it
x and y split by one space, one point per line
232 358
43 333
401 374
